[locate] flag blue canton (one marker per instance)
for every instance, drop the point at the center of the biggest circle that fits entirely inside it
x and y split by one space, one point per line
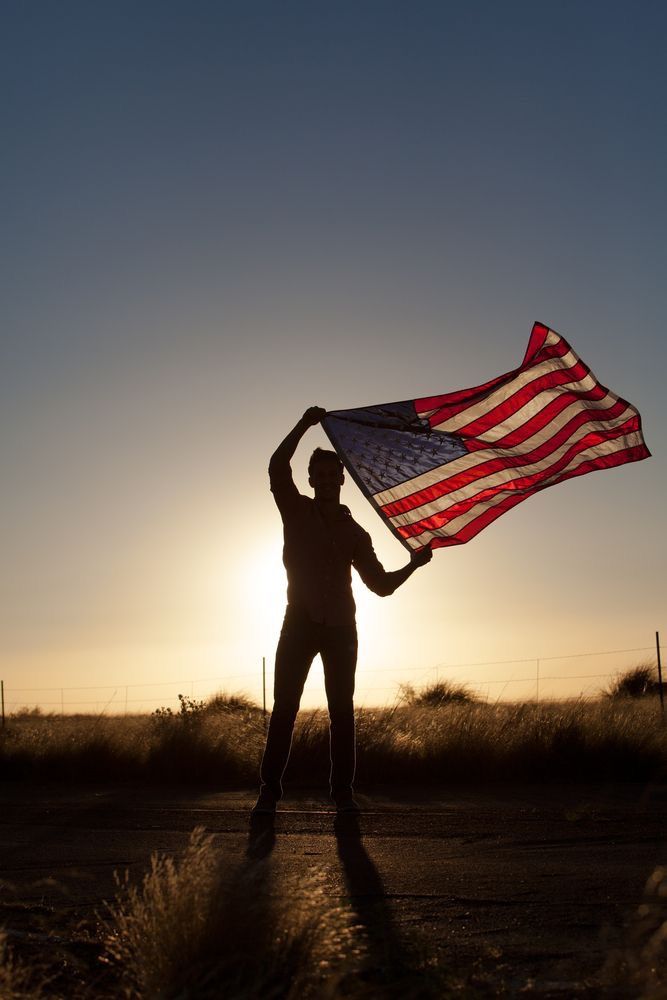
389 444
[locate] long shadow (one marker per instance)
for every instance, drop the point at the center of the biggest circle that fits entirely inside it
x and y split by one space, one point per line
253 879
261 838
388 959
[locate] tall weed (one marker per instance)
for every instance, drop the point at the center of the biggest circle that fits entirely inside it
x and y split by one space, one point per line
17 980
199 928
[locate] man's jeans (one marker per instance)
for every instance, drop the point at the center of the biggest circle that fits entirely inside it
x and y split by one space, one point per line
300 641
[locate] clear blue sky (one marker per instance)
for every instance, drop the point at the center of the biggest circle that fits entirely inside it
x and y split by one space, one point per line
216 214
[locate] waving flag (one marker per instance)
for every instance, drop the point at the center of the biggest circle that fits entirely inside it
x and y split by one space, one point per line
440 469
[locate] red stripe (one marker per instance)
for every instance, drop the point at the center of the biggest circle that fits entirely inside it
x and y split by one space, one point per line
633 454
521 483
538 335
476 525
460 399
547 414
451 403
452 483
514 402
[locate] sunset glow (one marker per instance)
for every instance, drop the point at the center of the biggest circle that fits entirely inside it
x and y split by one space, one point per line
214 222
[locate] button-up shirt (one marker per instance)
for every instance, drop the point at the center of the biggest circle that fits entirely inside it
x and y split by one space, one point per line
319 551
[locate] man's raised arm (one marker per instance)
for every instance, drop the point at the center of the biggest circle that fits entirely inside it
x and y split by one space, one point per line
284 491
280 460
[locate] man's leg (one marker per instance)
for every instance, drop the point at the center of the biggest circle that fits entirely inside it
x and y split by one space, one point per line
339 657
296 650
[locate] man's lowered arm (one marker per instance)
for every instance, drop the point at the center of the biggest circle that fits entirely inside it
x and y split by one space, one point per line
376 577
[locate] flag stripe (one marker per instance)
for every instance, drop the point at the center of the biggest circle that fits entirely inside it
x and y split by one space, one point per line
633 453
547 414
463 397
504 402
435 516
530 399
540 451
449 405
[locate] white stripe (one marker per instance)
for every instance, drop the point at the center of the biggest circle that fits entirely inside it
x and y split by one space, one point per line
550 340
504 475
502 394
535 405
415 543
457 523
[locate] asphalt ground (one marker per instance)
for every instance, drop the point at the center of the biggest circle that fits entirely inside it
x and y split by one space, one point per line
518 890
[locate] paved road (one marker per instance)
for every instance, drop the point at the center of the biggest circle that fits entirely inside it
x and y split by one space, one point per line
526 889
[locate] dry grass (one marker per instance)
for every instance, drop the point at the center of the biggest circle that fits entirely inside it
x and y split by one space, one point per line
203 926
526 742
451 740
640 682
197 928
437 694
17 980
211 746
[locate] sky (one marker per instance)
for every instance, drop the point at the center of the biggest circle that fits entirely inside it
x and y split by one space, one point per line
218 214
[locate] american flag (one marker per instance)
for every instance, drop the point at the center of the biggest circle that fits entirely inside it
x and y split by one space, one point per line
440 469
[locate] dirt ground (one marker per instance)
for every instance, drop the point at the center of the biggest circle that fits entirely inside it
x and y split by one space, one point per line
521 891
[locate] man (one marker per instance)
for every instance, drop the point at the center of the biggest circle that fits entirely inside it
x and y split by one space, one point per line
321 544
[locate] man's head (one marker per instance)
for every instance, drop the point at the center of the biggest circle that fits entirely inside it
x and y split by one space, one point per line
325 474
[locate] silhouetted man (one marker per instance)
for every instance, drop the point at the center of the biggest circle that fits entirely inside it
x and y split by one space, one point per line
321 544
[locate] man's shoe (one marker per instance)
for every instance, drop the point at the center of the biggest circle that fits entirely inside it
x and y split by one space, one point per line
347 806
265 804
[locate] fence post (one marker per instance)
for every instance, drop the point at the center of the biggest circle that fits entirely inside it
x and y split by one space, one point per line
662 697
2 693
537 682
264 690
62 701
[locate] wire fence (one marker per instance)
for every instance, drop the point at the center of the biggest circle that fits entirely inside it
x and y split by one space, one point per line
532 678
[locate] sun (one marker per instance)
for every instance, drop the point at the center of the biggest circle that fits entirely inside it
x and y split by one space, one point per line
265 591
265 577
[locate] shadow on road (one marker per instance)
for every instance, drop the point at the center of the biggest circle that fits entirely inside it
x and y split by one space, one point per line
388 955
261 838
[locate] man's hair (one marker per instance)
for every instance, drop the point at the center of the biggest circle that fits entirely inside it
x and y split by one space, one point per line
322 455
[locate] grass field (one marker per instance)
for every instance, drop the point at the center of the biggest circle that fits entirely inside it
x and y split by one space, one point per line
199 925
452 741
